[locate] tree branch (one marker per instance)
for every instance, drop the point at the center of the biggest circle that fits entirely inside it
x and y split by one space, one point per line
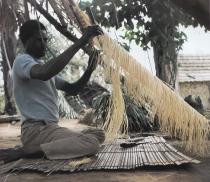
199 9
63 30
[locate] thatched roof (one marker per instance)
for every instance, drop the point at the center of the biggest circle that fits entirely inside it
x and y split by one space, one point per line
193 68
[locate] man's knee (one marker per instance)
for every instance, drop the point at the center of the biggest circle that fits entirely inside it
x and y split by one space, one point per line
94 147
101 136
98 133
91 143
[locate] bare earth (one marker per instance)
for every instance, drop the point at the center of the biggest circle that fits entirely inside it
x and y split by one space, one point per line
9 137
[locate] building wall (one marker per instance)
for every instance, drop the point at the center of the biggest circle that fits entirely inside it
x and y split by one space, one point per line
201 89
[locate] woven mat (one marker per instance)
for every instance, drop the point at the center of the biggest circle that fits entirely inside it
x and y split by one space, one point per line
152 151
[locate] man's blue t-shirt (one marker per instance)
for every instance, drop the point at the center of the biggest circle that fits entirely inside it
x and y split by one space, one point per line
36 99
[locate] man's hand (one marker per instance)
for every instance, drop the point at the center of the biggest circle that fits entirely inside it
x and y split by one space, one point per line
76 87
93 60
90 32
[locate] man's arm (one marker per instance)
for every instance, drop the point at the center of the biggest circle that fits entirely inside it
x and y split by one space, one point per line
55 65
74 88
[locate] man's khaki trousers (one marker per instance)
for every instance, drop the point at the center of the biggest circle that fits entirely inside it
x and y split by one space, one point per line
59 142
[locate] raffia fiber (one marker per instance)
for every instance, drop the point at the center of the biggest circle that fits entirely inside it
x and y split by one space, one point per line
79 162
176 116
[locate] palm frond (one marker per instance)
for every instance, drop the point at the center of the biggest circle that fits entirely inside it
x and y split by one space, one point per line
12 14
90 91
77 103
65 110
58 12
139 119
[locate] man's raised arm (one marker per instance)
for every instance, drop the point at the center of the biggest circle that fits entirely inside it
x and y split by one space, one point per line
74 88
55 65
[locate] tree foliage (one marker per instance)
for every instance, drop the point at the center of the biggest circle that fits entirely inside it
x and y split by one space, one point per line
138 116
141 18
147 23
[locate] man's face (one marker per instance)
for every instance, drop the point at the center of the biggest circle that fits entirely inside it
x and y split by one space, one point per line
36 45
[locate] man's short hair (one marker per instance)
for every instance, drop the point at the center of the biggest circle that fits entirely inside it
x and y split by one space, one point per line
29 28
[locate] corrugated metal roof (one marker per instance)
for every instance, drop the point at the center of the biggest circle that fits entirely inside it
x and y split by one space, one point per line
193 68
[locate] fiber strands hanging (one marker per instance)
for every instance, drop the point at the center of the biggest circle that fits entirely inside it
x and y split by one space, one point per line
176 116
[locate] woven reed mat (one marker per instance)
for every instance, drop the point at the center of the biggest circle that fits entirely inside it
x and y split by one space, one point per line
152 151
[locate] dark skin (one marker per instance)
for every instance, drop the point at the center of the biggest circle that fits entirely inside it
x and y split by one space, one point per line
36 47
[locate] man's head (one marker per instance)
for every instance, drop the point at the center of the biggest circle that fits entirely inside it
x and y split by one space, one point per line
33 37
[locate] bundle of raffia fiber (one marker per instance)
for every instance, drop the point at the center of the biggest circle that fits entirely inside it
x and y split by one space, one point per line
176 117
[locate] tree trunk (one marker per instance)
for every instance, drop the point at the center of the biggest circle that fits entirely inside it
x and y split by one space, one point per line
8 40
165 54
164 43
166 67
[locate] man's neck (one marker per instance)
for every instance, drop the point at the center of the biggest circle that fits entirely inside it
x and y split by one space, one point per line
38 60
31 54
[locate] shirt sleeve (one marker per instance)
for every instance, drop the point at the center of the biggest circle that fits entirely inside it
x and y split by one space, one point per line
59 82
22 66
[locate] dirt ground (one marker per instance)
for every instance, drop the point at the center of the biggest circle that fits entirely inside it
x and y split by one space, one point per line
9 137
